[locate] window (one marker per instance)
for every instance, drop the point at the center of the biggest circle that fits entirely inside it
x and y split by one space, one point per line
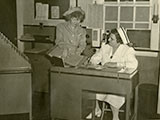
131 14
135 15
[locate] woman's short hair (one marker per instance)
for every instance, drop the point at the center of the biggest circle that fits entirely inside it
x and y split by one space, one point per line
76 14
118 37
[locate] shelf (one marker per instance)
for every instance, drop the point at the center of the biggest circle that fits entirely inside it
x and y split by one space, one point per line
63 6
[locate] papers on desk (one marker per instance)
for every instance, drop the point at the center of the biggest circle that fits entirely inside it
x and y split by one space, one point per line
100 67
74 60
109 69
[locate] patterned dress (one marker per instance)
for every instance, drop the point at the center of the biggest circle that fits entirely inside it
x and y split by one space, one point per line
73 41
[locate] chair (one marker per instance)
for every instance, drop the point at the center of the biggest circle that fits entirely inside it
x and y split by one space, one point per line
106 108
88 103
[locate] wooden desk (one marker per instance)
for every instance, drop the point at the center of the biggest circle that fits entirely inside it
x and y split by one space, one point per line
67 85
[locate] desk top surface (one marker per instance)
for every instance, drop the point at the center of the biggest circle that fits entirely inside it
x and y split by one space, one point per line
16 70
109 72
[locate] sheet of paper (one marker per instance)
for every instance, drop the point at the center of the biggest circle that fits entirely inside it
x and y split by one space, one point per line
73 60
55 51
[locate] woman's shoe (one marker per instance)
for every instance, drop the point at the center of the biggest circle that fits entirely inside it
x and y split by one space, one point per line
97 114
89 116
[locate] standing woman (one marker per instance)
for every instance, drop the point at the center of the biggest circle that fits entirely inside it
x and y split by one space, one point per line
116 53
70 36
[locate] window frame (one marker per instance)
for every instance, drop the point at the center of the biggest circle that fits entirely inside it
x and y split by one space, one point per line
133 4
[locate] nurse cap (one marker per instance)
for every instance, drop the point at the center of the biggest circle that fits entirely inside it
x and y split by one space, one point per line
73 9
123 35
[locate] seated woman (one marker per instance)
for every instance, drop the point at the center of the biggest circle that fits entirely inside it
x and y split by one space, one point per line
70 36
117 53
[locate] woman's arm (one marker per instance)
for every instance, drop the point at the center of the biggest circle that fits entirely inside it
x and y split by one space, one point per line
60 40
60 37
97 57
130 59
82 42
127 60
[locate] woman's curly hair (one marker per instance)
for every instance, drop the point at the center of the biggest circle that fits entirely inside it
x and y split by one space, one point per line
76 14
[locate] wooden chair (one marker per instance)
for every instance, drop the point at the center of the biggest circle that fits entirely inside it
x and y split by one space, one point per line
106 108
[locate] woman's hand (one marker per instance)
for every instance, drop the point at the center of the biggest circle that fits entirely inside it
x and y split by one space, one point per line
65 53
78 52
110 64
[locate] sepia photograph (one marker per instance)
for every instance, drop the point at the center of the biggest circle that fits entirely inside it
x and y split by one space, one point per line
79 60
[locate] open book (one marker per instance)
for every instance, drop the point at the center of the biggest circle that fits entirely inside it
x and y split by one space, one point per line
71 60
75 60
55 51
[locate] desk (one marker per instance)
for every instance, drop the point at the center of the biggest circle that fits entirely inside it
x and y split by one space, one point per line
67 85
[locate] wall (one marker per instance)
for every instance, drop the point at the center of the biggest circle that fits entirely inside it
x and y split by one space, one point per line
29 14
148 69
8 20
19 4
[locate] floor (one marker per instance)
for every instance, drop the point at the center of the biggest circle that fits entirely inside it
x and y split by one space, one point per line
41 98
41 103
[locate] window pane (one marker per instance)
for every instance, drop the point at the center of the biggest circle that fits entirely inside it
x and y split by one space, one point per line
125 0
126 25
141 38
111 13
110 0
126 14
140 25
110 26
142 0
142 14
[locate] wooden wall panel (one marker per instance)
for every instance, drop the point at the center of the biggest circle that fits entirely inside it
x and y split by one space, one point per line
148 69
